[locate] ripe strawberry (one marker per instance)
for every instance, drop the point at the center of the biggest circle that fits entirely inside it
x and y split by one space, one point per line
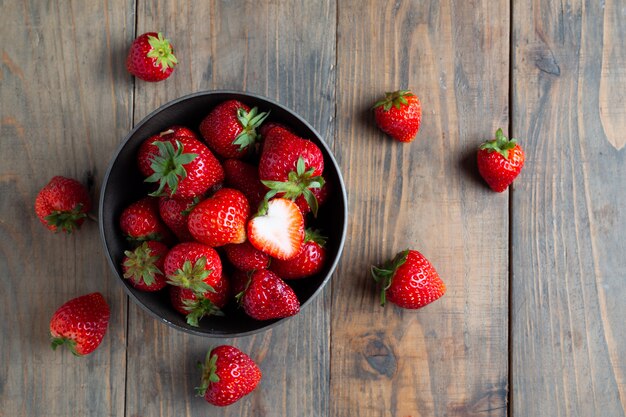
500 161
291 166
309 261
62 204
245 178
239 281
268 297
266 127
148 150
409 280
220 219
230 128
174 213
228 374
140 222
183 166
80 323
151 57
143 267
246 257
399 115
193 265
196 306
278 229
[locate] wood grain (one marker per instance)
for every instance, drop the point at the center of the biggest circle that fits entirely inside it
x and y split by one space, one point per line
568 337
269 48
449 358
65 104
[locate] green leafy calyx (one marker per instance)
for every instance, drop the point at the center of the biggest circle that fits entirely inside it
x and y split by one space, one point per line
67 221
198 308
140 265
161 52
314 235
209 374
500 144
169 167
192 276
384 275
249 121
395 99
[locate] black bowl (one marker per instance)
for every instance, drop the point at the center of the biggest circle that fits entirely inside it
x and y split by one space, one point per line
123 184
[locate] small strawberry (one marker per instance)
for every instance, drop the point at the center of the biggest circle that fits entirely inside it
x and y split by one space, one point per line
140 222
409 280
220 219
143 267
62 204
228 374
278 229
80 323
399 115
174 213
309 261
193 265
196 306
151 57
500 161
230 128
268 297
246 257
148 150
245 178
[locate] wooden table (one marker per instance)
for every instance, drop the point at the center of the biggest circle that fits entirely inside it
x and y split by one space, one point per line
532 323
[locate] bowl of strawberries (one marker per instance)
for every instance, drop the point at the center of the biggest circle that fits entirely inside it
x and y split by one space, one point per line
223 213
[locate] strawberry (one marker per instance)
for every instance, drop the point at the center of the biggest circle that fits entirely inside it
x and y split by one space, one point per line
228 374
309 261
268 297
140 222
80 323
196 306
183 166
148 150
409 280
220 219
174 213
193 265
246 257
230 128
266 127
62 204
500 161
143 267
239 281
291 166
151 57
278 229
245 178
321 195
399 115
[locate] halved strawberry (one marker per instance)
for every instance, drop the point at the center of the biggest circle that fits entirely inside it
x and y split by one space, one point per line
268 297
278 229
143 267
309 261
193 265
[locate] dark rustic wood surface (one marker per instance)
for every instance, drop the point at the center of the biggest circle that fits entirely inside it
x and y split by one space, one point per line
532 323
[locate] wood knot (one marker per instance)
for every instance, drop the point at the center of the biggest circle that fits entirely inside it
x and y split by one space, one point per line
379 358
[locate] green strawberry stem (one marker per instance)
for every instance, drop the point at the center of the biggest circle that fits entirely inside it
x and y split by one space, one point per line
396 99
314 235
192 276
141 265
209 375
66 221
61 341
161 51
239 295
199 308
384 275
249 122
500 144
169 167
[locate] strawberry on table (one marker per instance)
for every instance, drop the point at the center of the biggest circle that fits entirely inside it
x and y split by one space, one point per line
268 297
409 280
500 161
278 229
174 213
195 305
143 267
62 204
151 57
228 374
399 114
246 257
309 261
140 222
245 178
80 323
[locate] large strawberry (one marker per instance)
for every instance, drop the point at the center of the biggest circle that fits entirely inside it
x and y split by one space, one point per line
245 178
291 166
140 222
309 261
198 305
278 229
500 161
151 57
228 374
80 323
143 267
220 219
174 213
409 280
268 297
230 128
399 115
148 150
62 204
246 257
194 266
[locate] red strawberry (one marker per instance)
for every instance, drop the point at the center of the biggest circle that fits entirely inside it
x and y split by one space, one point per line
230 128
321 195
246 257
278 230
151 57
228 374
268 297
196 306
245 178
266 127
291 166
80 323
143 267
193 265
183 167
409 280
140 222
399 115
220 219
62 204
239 281
500 161
174 213
309 261
148 150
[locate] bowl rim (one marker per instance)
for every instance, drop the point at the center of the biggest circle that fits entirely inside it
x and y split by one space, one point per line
123 144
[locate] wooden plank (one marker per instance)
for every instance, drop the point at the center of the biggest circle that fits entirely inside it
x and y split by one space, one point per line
449 358
284 50
65 104
568 337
